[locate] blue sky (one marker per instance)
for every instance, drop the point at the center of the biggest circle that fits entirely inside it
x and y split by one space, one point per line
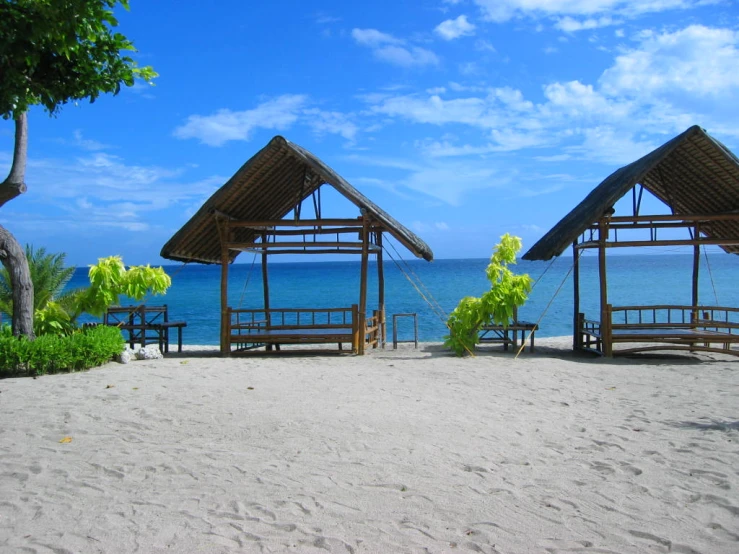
464 119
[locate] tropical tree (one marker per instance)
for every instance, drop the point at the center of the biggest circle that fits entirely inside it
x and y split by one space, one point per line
496 306
52 52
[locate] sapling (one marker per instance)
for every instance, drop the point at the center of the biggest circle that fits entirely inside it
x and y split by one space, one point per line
496 306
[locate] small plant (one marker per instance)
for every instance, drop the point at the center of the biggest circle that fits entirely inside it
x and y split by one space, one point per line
494 307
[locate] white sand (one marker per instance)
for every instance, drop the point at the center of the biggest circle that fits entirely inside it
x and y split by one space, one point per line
398 451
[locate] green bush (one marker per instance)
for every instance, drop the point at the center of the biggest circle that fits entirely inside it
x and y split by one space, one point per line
495 306
57 353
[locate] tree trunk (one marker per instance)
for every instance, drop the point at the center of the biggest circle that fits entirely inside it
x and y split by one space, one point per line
12 255
15 184
14 259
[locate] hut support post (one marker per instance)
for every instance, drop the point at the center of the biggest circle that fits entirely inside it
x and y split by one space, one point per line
696 269
363 285
576 296
265 284
223 231
381 289
605 314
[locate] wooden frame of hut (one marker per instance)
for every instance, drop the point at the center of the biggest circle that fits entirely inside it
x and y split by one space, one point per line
248 214
697 178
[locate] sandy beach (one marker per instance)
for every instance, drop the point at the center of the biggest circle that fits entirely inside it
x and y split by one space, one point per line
398 451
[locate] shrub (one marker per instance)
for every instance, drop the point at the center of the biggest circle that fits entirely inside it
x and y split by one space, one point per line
496 306
81 350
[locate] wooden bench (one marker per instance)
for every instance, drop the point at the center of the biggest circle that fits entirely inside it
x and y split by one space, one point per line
663 327
509 334
145 325
249 329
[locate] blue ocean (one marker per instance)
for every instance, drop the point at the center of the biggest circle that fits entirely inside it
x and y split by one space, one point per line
432 290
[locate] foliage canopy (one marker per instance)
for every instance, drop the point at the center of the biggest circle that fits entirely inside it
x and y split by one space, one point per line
56 51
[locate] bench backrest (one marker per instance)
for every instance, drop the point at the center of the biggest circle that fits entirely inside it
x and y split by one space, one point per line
136 315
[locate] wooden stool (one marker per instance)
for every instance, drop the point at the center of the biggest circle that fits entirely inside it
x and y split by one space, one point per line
395 330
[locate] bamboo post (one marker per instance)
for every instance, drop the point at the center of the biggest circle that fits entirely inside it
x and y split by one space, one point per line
604 312
381 291
576 345
608 341
355 329
363 284
265 284
225 315
696 268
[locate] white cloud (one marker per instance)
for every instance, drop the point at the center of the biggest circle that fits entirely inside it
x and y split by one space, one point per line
697 60
96 191
570 25
533 193
454 28
576 100
450 181
226 125
389 49
611 145
434 109
505 10
665 83
436 90
143 89
337 123
532 227
406 57
443 179
86 144
484 46
373 37
326 19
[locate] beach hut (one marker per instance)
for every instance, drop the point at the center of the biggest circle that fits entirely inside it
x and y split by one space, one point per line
697 179
261 209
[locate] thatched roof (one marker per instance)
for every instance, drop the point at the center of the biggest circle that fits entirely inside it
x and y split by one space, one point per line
267 188
694 174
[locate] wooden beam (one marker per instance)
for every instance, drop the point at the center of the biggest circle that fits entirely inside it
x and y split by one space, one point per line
670 242
654 225
314 231
297 223
272 252
292 244
670 217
